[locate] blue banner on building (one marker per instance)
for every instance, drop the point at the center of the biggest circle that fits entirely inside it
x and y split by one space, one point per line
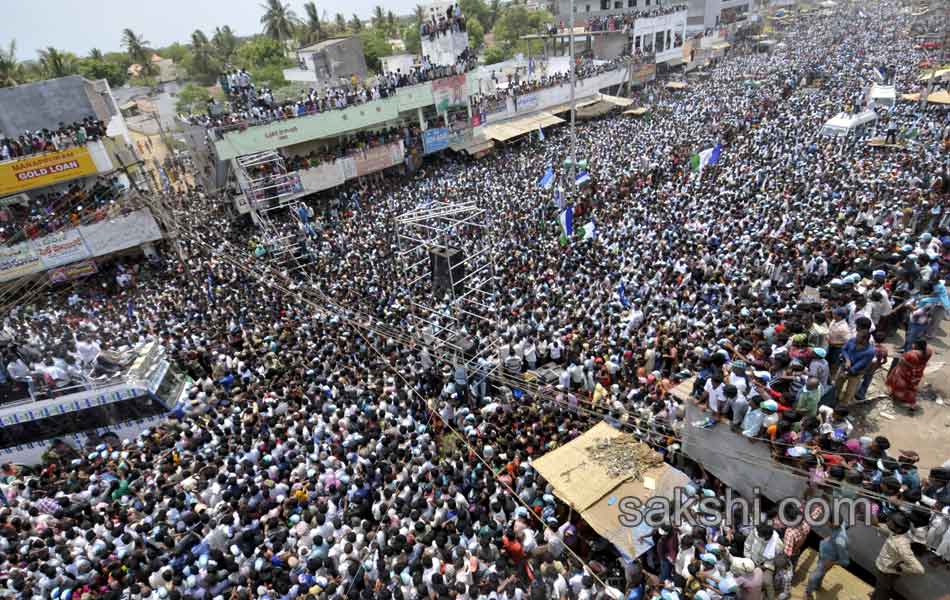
435 139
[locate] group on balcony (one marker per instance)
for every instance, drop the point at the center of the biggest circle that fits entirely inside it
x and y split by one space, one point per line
51 140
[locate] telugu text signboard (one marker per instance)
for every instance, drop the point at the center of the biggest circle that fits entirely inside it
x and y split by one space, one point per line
45 169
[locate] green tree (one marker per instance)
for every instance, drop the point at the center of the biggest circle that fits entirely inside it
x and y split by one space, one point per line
375 45
278 20
516 21
494 11
379 17
476 35
313 27
419 14
412 38
340 22
56 63
95 54
193 98
115 73
391 25
355 24
11 70
137 48
177 52
494 55
476 10
203 65
225 43
264 59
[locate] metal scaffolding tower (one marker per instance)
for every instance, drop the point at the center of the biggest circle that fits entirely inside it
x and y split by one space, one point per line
444 259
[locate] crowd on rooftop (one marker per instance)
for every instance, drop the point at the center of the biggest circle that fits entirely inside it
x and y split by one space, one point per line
624 21
51 140
316 459
252 106
451 22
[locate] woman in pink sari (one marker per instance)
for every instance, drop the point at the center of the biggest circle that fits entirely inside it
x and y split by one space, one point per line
903 379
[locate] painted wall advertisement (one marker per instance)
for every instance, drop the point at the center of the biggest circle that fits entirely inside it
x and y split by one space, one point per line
448 92
526 103
60 248
379 158
74 246
74 271
435 139
45 169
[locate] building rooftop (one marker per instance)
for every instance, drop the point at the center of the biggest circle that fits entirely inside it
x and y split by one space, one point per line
323 45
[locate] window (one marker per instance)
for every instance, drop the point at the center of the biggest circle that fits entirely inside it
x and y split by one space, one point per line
604 4
588 8
631 3
659 41
636 43
648 2
618 4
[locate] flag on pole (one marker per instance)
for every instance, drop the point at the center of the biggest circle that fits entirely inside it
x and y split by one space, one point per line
548 180
559 198
879 74
709 156
583 178
622 295
590 231
540 133
567 224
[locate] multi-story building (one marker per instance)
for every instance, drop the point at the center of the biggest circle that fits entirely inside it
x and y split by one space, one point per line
636 27
329 62
67 165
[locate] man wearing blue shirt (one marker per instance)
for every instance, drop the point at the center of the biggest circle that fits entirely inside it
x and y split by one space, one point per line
857 353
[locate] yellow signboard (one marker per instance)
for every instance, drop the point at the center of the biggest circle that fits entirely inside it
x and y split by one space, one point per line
45 169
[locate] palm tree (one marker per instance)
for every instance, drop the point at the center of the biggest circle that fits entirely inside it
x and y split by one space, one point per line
137 48
278 20
355 24
340 23
225 43
202 51
56 63
313 26
95 54
11 71
379 17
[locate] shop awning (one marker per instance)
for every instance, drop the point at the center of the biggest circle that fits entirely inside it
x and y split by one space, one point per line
676 85
479 146
595 109
637 112
588 487
502 132
616 100
941 97
940 74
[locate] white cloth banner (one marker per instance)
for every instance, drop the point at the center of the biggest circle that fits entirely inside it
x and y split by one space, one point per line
60 248
120 233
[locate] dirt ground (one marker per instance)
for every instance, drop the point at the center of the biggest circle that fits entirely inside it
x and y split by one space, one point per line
928 431
839 583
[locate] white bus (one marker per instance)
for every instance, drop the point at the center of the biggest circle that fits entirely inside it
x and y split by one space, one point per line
137 398
844 124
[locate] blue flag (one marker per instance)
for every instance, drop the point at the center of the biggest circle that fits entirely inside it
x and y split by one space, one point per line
548 180
622 295
714 157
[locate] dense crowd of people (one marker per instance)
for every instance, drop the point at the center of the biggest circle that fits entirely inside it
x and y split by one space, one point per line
79 203
51 140
315 458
